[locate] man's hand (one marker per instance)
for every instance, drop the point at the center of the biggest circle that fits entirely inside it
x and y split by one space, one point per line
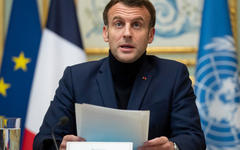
160 143
70 138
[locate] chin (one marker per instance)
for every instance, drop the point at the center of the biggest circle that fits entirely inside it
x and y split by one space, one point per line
127 57
127 60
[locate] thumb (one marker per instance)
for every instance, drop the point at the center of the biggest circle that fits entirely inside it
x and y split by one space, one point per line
157 141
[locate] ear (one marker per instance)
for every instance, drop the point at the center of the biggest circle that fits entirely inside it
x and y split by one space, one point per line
105 33
151 35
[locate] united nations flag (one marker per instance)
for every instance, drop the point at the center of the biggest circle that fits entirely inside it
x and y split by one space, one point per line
217 83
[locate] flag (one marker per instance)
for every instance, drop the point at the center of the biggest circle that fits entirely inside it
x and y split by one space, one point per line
217 83
60 47
19 59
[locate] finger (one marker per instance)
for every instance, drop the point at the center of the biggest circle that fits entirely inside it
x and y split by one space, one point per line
150 148
73 138
156 141
68 138
166 146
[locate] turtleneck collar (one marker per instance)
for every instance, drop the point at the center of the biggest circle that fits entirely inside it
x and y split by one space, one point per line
125 71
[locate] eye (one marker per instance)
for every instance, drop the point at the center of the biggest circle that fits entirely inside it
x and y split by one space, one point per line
118 24
136 24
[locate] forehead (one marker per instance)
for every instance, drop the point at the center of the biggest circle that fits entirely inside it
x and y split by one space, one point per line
127 12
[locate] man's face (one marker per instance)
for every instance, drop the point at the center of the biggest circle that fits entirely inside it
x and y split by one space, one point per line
128 32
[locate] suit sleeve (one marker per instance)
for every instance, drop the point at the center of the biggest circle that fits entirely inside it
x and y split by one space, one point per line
185 120
62 105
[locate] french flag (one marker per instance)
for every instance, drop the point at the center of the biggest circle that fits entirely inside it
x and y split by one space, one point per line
61 46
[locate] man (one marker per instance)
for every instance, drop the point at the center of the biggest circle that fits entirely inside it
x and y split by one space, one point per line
129 79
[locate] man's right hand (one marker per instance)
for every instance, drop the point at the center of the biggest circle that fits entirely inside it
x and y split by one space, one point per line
70 138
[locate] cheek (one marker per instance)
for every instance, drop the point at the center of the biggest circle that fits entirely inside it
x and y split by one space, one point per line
115 40
143 39
115 35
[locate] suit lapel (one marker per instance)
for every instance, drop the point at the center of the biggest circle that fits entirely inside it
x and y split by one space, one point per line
140 86
105 85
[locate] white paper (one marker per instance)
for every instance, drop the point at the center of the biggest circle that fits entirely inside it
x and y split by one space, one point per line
99 146
101 124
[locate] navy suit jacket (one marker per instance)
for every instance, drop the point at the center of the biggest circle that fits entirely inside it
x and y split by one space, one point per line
162 86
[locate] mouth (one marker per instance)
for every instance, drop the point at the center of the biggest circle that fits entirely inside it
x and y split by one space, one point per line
126 46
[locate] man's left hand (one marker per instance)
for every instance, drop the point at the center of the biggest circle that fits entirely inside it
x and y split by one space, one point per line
160 143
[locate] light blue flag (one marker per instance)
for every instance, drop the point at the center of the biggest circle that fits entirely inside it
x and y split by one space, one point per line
217 84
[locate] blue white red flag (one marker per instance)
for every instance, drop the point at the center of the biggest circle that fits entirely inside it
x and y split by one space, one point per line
61 46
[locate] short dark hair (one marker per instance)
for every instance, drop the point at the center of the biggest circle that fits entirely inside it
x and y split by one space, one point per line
132 3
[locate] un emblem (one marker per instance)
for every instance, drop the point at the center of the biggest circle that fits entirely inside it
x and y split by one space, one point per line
218 94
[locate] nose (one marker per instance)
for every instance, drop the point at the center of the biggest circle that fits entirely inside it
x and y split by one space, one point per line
127 32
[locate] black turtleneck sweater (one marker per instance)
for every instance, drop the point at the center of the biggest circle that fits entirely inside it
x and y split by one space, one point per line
124 75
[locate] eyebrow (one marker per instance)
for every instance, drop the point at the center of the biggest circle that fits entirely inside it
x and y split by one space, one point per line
138 18
117 17
135 19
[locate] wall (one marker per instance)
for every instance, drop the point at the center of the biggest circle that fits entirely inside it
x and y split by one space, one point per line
183 54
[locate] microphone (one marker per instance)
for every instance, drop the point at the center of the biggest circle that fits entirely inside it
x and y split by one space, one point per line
62 121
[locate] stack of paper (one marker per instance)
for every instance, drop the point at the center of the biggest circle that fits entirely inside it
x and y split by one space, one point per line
99 146
101 124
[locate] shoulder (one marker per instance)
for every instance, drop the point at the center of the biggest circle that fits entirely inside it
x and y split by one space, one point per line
81 74
86 67
165 64
168 70
89 64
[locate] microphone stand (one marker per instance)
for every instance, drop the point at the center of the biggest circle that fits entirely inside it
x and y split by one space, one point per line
62 121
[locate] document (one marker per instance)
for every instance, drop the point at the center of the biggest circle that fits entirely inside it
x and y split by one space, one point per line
102 124
99 146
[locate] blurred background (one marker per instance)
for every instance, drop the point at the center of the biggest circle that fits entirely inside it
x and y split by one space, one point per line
177 42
